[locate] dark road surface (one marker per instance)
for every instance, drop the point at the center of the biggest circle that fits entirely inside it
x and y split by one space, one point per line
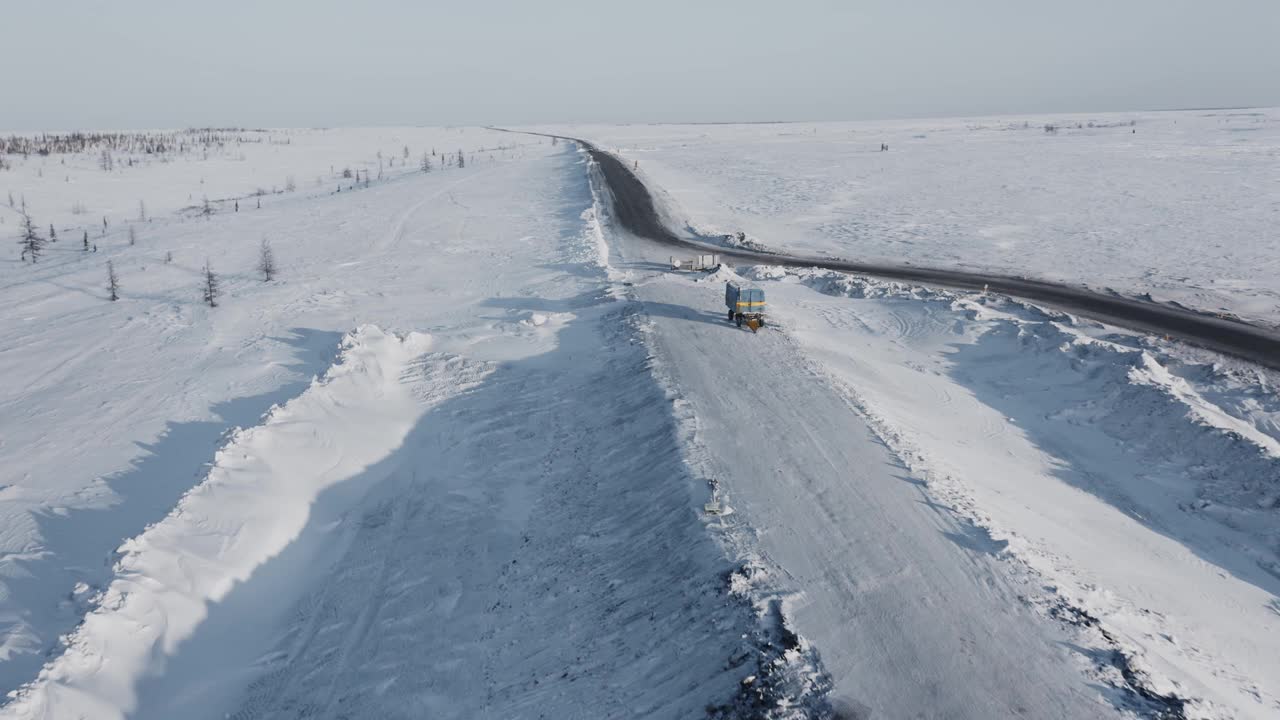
634 208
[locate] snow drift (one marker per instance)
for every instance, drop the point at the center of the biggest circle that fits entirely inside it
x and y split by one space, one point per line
256 499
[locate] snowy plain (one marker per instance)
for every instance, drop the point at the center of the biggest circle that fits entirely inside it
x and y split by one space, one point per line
454 460
1182 205
114 420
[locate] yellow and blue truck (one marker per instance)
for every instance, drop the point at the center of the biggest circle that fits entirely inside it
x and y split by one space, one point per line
746 305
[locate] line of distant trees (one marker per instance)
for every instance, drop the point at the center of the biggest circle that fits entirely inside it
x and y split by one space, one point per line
148 143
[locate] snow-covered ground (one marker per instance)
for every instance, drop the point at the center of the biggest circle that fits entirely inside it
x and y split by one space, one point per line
455 460
1182 205
110 411
73 192
439 507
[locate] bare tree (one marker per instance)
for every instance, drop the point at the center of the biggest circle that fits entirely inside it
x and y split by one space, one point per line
210 288
86 241
53 234
207 209
426 163
113 282
133 235
406 152
142 211
105 161
462 162
32 244
266 261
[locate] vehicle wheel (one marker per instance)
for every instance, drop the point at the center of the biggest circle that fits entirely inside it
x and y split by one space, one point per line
730 316
738 320
761 321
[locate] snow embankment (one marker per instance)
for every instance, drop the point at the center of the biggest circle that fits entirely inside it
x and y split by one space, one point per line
259 495
1141 482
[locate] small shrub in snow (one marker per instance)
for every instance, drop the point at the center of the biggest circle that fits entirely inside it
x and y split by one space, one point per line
32 244
266 262
210 286
113 282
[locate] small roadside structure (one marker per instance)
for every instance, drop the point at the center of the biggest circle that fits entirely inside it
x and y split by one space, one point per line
699 263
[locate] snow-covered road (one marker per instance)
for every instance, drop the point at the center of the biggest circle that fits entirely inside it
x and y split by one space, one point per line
912 615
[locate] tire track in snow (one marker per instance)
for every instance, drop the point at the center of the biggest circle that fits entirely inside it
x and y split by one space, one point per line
393 236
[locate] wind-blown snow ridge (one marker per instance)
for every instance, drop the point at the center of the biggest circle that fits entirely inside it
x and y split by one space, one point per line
255 501
1133 375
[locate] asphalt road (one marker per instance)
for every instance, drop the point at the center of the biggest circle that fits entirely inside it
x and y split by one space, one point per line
634 209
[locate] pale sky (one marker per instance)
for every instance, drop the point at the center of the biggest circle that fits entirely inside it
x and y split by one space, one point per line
72 64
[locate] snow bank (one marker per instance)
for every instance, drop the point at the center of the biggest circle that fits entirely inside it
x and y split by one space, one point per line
257 498
722 274
1116 381
1140 486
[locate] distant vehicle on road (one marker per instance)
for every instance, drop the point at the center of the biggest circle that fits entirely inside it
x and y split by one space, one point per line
746 304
